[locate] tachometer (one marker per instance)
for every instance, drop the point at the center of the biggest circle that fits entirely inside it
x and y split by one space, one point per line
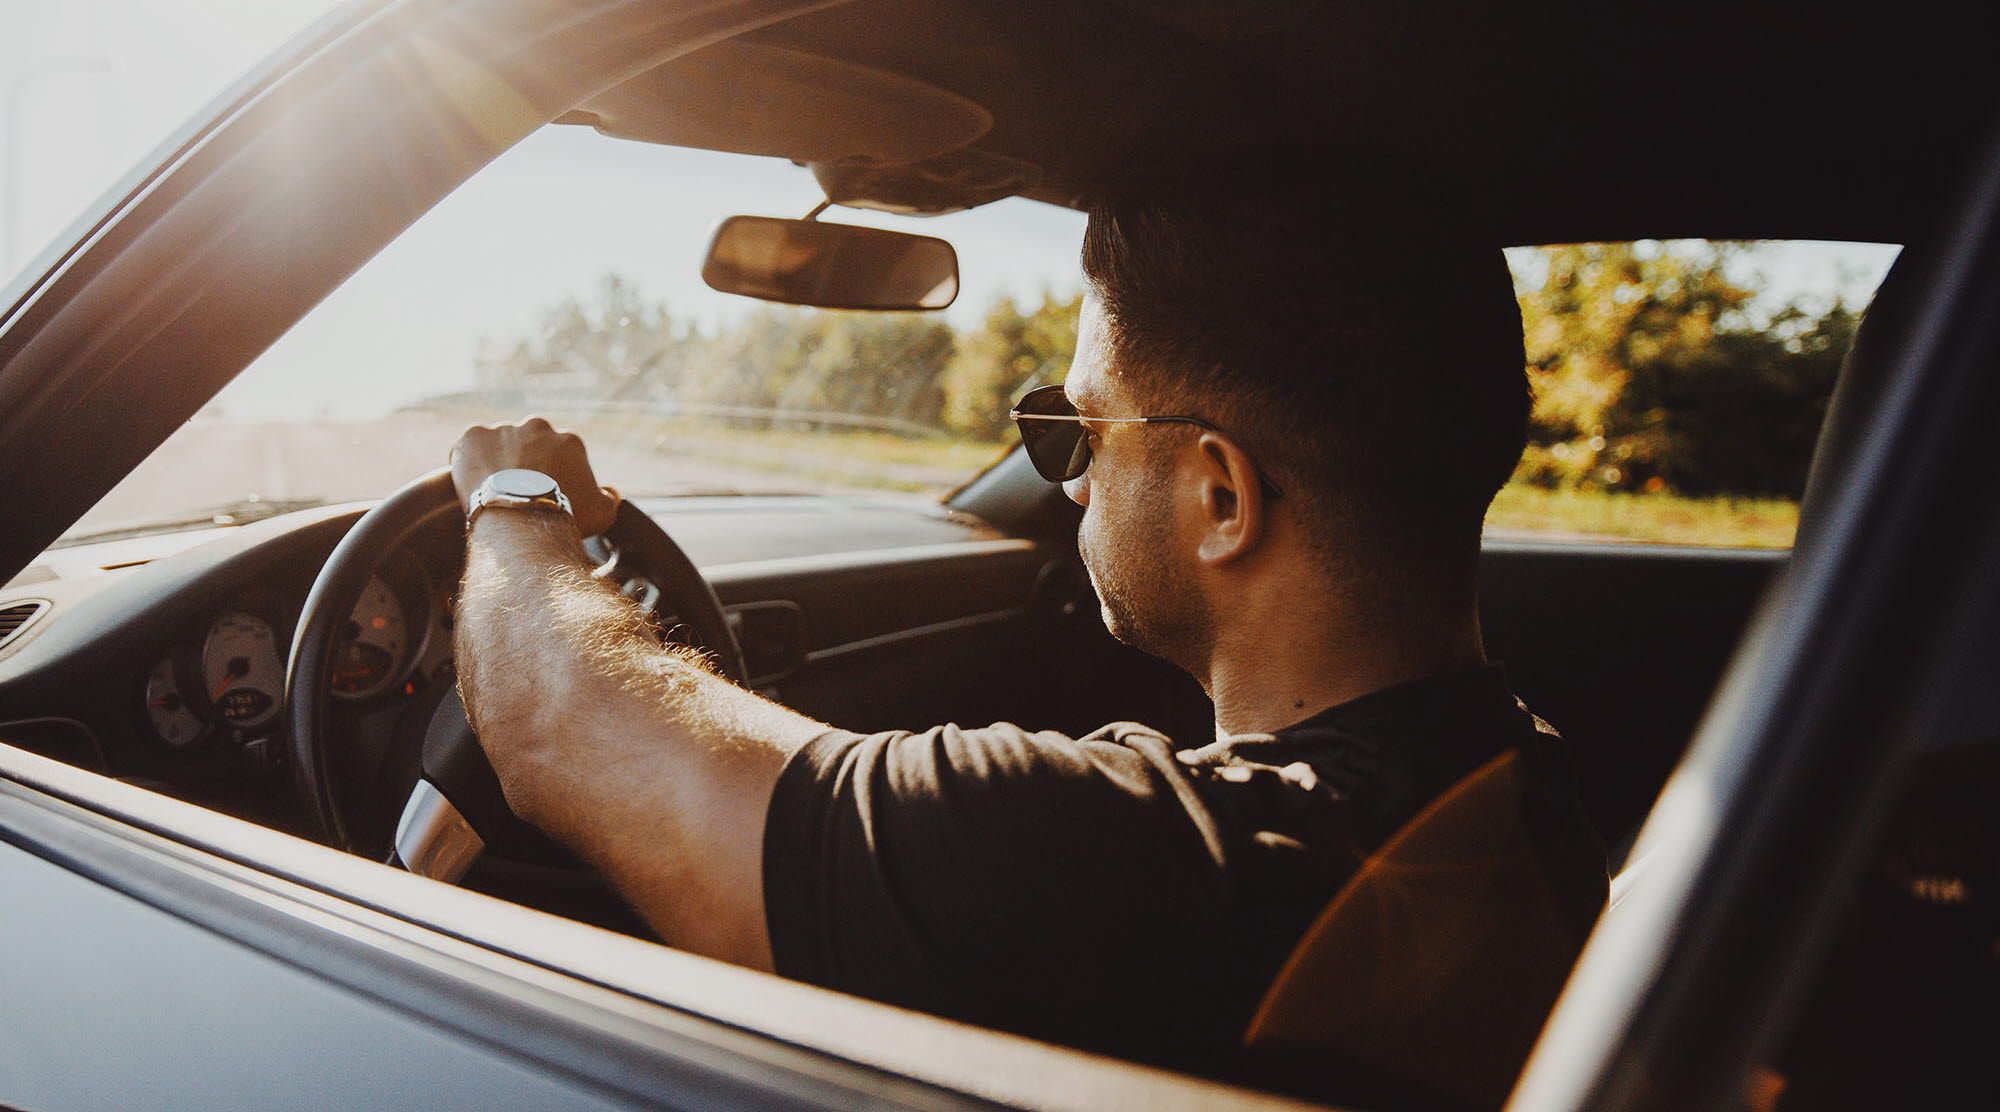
371 653
242 669
176 723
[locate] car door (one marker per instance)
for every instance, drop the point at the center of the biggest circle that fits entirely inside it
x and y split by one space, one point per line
141 972
162 955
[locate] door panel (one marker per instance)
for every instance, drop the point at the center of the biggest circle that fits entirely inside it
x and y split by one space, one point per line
1620 648
112 1004
142 972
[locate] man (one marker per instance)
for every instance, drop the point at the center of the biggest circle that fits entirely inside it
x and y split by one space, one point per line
1341 375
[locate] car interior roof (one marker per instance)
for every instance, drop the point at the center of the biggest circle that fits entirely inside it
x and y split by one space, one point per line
1566 123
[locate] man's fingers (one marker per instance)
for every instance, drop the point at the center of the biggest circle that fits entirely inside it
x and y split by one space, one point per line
536 444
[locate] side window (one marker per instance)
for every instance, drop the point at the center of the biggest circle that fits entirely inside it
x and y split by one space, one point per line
1679 386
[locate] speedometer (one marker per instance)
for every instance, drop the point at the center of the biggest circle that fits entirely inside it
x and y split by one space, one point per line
370 653
172 718
242 670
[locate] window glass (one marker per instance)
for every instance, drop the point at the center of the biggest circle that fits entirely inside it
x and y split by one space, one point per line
564 280
88 88
1679 385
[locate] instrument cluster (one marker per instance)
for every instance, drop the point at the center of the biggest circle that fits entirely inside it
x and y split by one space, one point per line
226 684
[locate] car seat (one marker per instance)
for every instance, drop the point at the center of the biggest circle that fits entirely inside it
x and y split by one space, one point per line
1427 978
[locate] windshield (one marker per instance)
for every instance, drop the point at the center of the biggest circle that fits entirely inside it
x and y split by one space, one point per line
563 280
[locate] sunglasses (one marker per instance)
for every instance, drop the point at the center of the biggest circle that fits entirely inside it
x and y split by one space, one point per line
1052 432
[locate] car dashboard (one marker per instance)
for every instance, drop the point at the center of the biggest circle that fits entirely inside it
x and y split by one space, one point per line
162 660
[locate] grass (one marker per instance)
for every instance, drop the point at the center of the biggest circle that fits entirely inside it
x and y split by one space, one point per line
1646 518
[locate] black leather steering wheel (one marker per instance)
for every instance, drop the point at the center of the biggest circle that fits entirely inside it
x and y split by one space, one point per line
457 810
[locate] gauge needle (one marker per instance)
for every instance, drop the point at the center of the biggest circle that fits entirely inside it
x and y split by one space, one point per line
238 668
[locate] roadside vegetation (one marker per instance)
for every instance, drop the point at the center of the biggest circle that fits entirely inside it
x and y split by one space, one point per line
1524 510
1673 402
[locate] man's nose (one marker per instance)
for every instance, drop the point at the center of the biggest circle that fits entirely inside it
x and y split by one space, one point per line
1078 489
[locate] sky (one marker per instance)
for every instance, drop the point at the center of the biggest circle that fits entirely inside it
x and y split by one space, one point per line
91 87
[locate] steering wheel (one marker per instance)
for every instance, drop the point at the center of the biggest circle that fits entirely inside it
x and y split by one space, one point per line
457 811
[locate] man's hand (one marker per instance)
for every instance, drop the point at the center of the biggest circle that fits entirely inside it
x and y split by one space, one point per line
537 446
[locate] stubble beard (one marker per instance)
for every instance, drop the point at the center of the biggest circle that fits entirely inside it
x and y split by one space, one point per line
1146 594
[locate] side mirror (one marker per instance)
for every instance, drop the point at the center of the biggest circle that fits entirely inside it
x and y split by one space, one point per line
831 266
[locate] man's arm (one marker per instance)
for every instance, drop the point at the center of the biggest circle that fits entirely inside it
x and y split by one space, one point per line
649 766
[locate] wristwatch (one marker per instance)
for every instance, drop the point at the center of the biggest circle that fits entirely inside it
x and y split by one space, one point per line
517 487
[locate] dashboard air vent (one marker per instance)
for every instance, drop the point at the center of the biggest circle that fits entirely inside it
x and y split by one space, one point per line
16 617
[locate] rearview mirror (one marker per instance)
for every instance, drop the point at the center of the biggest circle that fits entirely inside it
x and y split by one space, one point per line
831 266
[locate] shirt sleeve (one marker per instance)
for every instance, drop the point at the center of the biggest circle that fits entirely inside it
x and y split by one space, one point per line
1069 889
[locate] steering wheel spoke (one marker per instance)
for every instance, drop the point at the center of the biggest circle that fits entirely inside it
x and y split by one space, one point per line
644 592
433 838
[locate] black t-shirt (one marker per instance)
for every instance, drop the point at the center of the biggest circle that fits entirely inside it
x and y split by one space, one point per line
1112 892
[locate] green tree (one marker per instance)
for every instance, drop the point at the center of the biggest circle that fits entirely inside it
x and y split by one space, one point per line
1607 322
878 365
1007 354
751 362
616 345
1744 421
789 360
1649 372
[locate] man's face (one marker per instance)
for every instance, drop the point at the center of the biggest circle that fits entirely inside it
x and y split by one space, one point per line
1134 540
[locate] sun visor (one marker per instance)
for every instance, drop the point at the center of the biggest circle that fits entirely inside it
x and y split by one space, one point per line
750 98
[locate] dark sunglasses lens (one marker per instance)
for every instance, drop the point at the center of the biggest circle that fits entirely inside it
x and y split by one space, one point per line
1056 448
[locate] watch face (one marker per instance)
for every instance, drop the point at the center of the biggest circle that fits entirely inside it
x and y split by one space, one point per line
519 482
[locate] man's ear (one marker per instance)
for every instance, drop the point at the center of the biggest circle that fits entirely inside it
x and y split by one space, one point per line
1232 500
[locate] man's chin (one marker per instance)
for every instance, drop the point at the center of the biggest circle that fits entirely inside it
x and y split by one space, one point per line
1120 620
1113 623
1132 634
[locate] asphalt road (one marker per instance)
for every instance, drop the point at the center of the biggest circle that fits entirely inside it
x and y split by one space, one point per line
215 462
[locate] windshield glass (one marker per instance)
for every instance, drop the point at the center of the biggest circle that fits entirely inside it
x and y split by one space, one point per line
563 280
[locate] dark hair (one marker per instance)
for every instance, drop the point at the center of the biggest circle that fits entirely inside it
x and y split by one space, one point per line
1334 315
